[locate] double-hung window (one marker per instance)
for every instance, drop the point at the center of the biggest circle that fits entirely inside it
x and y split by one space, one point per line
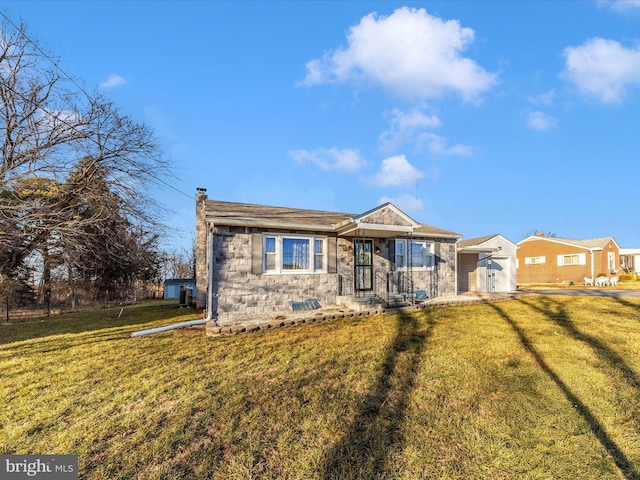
417 253
534 260
293 254
573 259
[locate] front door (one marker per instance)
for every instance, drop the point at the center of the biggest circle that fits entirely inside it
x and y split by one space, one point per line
363 264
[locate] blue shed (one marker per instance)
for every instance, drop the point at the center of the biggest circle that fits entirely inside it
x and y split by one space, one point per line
172 287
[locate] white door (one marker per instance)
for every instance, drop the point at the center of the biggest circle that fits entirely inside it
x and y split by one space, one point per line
498 273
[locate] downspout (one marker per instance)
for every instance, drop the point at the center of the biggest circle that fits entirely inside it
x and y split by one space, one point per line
210 276
455 263
592 267
209 301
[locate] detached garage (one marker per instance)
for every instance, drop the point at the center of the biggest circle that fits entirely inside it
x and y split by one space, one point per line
486 264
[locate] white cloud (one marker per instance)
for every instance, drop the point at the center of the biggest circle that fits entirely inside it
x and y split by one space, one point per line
113 81
404 127
438 146
540 121
602 68
626 6
331 159
409 52
407 203
395 171
546 99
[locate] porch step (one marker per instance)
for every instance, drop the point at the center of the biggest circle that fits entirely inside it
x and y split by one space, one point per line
369 302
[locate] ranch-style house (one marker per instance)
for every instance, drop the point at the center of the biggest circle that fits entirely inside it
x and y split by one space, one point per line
254 259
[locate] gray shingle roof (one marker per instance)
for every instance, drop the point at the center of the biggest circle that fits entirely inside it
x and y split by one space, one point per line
252 215
231 213
475 241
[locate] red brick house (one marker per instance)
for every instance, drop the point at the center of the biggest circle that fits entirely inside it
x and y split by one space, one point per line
543 259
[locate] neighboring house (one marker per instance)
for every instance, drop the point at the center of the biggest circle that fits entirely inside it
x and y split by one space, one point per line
552 260
173 286
253 259
630 260
486 264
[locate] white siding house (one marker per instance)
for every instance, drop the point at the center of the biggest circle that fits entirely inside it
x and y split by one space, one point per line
487 264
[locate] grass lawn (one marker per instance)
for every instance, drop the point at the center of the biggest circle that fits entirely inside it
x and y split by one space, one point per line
533 388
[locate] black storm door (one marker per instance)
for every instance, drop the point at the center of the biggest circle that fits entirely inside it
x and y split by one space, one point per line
363 264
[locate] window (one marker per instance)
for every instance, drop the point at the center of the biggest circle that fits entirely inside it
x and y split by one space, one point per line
573 259
534 260
418 252
269 253
612 260
293 254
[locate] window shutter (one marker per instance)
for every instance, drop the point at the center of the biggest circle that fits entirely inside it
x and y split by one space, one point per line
560 260
332 257
256 253
392 254
582 258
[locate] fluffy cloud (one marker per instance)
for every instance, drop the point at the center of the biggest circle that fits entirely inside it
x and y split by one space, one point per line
438 146
330 159
602 68
540 121
405 126
409 52
626 6
113 81
407 203
395 171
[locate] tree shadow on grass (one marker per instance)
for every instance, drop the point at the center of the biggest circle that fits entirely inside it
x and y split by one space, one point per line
626 303
625 466
376 431
90 321
556 312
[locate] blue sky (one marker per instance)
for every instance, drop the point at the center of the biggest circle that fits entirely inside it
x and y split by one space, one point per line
475 116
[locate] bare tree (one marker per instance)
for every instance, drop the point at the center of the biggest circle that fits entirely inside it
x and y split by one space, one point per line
178 263
71 164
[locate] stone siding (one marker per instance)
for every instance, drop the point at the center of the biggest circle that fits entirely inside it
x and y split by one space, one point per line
386 216
240 292
202 254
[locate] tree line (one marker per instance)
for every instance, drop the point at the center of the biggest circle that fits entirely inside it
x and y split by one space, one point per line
77 211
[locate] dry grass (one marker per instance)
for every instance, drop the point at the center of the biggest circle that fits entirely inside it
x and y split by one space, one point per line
536 388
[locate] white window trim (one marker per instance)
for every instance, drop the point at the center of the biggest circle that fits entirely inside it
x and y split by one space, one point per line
428 258
279 237
535 260
582 259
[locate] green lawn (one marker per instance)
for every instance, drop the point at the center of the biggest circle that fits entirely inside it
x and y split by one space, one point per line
534 388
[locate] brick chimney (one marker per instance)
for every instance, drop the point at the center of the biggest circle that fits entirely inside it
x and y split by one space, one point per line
539 234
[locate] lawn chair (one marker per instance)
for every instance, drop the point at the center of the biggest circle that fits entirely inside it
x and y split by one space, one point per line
613 281
602 281
588 281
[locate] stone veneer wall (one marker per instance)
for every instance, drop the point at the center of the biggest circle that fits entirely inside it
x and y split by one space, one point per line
386 216
202 264
445 253
446 257
240 292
